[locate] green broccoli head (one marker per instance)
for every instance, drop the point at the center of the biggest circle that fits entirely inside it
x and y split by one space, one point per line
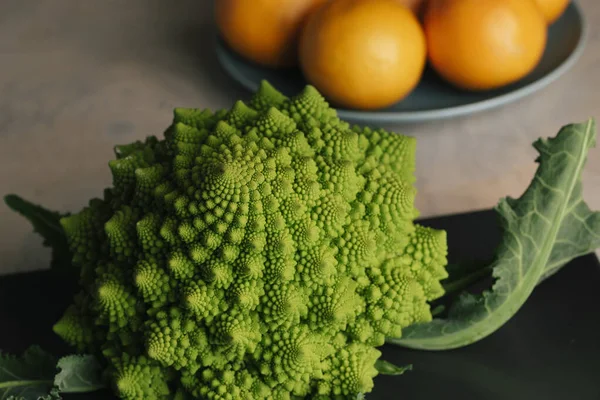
264 251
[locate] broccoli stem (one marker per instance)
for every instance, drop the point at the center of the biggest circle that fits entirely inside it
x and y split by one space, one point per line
462 283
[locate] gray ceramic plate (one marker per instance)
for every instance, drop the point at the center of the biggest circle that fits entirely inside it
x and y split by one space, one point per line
433 98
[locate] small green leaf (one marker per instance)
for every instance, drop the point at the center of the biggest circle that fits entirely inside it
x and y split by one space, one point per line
29 377
544 229
387 368
52 395
47 224
438 310
78 374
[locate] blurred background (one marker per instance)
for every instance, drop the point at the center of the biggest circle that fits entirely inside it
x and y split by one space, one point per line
78 77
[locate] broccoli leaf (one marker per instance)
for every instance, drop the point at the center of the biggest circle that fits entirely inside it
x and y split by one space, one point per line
52 395
387 368
29 377
33 376
79 374
47 224
544 229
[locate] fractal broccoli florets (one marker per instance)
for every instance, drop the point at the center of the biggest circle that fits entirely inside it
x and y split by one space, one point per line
261 252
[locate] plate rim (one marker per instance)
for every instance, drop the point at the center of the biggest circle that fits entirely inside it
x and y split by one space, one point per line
369 117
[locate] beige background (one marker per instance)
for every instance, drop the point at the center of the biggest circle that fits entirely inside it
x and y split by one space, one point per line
77 77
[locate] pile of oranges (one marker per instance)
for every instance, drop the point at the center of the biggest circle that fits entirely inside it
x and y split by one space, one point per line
370 54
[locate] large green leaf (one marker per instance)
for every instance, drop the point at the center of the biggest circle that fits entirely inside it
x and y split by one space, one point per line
29 377
38 375
543 230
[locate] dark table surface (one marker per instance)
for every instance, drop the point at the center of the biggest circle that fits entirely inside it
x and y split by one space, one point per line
549 351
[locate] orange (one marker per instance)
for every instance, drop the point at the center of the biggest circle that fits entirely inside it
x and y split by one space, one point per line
484 44
364 54
264 31
414 5
552 9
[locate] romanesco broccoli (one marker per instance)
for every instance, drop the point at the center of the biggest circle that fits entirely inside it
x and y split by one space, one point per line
261 252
